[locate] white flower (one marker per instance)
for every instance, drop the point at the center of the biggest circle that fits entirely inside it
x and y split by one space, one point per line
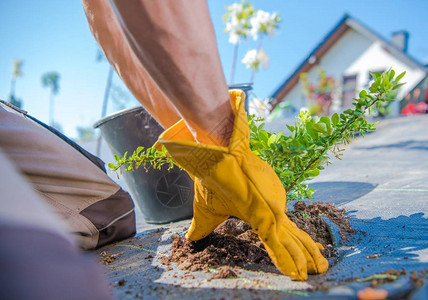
235 8
233 38
255 59
250 58
264 22
237 21
236 28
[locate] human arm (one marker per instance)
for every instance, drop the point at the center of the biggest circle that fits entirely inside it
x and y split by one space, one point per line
106 30
175 41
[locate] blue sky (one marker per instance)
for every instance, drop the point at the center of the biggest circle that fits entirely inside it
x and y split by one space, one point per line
53 35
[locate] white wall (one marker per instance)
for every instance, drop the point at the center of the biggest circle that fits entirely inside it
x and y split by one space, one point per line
356 54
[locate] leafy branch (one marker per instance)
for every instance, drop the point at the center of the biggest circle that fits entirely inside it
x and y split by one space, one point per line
301 155
145 158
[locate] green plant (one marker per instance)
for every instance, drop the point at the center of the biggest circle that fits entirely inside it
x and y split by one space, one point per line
143 157
301 155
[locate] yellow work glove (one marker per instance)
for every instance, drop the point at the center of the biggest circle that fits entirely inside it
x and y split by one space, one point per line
233 181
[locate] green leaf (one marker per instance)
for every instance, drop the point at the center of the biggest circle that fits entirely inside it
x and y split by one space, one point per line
363 94
391 75
313 173
116 157
111 165
320 127
335 119
397 86
385 78
374 76
139 149
286 173
279 136
271 139
263 135
326 121
400 76
291 128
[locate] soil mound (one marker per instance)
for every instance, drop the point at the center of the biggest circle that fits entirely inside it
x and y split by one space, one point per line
234 243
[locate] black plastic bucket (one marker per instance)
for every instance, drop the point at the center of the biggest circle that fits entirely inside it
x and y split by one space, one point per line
163 196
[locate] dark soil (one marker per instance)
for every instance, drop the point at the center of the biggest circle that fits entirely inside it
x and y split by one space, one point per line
233 243
316 227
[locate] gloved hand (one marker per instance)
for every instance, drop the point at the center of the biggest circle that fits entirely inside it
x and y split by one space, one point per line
233 181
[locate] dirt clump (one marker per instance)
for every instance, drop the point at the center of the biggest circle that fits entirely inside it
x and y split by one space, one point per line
224 272
233 243
108 258
308 218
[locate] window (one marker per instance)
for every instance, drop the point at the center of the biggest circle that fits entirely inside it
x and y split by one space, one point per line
348 90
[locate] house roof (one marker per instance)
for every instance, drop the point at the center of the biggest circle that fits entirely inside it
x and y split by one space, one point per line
346 23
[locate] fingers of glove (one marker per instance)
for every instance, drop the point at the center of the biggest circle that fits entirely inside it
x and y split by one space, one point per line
319 245
316 262
203 223
287 256
309 259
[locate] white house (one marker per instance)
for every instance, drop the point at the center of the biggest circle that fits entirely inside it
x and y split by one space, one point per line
349 52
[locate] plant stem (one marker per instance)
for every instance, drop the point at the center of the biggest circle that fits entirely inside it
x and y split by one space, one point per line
235 57
253 71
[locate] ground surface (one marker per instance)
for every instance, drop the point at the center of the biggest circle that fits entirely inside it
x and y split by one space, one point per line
382 182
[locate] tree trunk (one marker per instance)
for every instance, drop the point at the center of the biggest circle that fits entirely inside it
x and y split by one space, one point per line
51 108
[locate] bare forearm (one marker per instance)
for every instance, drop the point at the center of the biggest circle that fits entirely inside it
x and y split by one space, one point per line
106 30
175 41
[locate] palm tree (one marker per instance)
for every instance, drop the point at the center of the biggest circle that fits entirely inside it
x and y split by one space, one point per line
51 80
16 72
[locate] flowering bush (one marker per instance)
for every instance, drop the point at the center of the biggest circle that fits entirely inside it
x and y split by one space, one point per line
255 59
264 23
242 20
320 93
237 20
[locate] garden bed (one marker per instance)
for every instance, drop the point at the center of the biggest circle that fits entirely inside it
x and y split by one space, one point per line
233 243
